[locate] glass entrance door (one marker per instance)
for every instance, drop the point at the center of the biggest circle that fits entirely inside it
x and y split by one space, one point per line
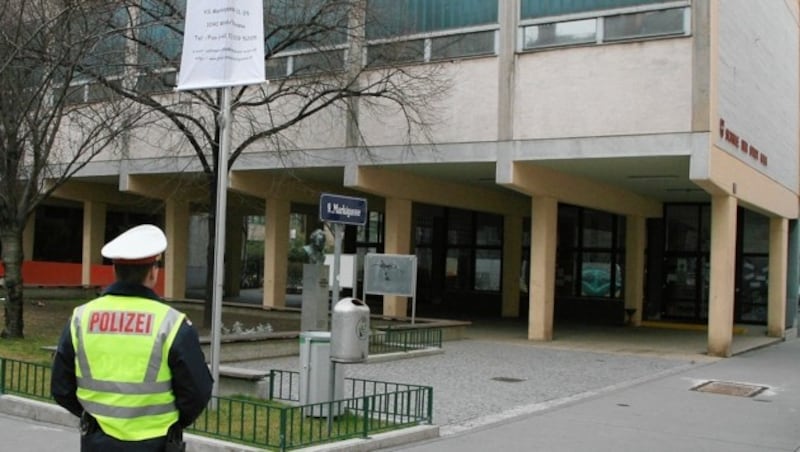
686 262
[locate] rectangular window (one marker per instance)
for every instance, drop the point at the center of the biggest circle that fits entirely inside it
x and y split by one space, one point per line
489 230
277 67
682 227
598 277
161 33
156 82
560 33
680 288
372 232
598 229
318 62
396 52
755 233
424 230
531 9
375 227
458 268
566 269
459 228
549 24
390 18
59 234
753 289
487 269
462 45
705 228
568 227
98 92
76 94
647 24
304 25
591 253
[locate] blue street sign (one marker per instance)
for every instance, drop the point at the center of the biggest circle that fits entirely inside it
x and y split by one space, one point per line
342 209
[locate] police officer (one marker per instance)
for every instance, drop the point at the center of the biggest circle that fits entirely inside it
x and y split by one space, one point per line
128 365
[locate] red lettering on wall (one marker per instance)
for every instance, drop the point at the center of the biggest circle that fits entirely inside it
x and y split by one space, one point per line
745 147
740 143
732 138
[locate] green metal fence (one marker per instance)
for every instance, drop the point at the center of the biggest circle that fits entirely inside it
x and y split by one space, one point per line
369 407
25 379
389 340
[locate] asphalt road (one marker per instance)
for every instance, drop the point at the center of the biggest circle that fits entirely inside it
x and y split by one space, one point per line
20 434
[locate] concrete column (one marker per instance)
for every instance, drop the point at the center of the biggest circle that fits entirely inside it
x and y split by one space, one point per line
233 253
94 228
721 279
635 232
792 274
176 228
544 225
778 252
397 241
276 252
701 60
28 235
508 16
512 263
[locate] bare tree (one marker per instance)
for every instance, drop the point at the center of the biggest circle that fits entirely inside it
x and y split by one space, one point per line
47 131
315 60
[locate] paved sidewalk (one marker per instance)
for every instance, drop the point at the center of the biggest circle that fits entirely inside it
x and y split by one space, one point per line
476 381
22 434
663 414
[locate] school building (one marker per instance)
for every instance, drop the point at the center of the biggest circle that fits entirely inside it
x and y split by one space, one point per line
592 161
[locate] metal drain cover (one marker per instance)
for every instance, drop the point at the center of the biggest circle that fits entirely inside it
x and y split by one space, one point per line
729 388
508 379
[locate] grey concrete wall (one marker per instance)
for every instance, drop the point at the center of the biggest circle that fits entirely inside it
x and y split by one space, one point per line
757 84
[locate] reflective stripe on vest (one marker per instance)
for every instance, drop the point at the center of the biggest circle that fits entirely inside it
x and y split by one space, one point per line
125 388
80 351
123 412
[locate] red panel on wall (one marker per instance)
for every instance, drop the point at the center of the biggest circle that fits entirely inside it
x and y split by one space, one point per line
39 273
102 275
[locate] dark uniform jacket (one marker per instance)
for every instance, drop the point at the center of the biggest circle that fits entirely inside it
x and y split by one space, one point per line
191 380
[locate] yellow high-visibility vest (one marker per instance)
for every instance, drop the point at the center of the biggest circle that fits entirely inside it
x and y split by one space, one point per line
121 350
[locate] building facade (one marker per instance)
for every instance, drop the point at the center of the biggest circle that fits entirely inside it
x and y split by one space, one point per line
592 161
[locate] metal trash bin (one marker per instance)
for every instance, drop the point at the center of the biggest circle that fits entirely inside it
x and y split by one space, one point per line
316 369
350 331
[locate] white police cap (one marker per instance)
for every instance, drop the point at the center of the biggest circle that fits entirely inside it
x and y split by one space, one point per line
138 245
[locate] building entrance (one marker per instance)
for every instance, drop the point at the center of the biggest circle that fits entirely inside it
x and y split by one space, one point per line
682 265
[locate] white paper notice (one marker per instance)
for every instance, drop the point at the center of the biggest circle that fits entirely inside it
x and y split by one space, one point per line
223 44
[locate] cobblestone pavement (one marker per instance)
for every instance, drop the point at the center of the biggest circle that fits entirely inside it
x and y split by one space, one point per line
476 382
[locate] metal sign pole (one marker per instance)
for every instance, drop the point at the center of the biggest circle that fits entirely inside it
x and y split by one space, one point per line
219 236
414 289
337 256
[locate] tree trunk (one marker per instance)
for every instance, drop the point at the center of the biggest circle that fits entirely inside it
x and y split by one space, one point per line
12 260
